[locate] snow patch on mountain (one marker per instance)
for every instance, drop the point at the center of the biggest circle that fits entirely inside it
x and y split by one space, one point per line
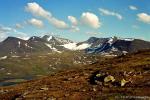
49 38
48 45
110 41
52 48
83 46
74 46
19 44
61 40
126 39
70 46
26 44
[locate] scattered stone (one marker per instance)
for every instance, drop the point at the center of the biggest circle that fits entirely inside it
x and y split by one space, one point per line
25 93
3 91
76 77
84 90
66 95
98 82
123 82
94 89
51 98
44 88
19 99
70 79
109 78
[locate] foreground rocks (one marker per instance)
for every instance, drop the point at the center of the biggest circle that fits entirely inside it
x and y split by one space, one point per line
104 79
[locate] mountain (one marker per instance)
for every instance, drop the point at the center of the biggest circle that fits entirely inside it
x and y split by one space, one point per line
116 46
112 46
13 45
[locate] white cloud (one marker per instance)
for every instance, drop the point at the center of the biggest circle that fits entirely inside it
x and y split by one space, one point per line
133 7
3 32
144 17
135 26
74 29
58 23
4 29
110 13
8 31
73 20
20 34
36 22
18 26
37 10
93 33
90 19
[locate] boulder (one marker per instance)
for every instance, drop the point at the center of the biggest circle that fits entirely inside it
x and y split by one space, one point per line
109 78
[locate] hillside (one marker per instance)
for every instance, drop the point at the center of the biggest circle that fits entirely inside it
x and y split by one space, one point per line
114 78
26 67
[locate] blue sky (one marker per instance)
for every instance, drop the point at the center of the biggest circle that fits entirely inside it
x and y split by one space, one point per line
75 19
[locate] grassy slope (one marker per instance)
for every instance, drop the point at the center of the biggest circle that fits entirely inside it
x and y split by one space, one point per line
74 84
33 65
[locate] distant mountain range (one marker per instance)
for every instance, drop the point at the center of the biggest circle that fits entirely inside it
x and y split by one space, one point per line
112 46
116 46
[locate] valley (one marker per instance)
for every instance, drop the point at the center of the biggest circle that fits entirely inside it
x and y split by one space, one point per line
31 66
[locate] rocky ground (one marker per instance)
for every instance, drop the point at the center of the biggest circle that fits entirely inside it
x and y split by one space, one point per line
123 77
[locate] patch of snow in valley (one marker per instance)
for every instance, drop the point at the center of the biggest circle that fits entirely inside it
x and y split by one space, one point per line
73 46
108 54
4 57
15 56
25 58
8 73
70 46
1 69
42 56
83 46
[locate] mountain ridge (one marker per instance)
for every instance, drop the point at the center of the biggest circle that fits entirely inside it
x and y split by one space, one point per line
49 43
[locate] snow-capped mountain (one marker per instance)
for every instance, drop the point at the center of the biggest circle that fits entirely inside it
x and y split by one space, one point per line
104 46
116 46
13 45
